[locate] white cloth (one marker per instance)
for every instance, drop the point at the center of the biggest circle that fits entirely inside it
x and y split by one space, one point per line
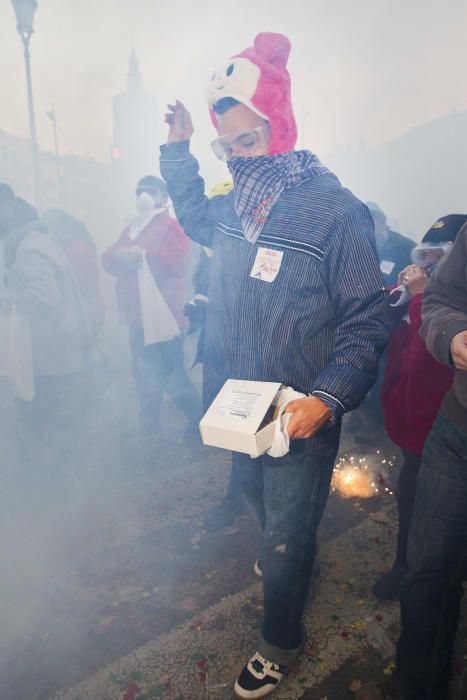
17 363
403 298
159 324
281 442
142 220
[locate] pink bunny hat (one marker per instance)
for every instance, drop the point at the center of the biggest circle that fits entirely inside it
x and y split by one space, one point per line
258 78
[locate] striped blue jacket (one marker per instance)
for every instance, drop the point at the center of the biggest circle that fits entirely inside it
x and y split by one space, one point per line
320 326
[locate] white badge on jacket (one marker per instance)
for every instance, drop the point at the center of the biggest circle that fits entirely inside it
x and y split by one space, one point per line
267 264
386 267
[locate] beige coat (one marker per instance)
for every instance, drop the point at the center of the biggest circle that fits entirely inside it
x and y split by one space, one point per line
41 284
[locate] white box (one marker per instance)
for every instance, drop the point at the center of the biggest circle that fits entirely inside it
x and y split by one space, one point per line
234 418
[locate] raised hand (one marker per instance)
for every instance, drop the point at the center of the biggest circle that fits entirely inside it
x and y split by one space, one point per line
179 120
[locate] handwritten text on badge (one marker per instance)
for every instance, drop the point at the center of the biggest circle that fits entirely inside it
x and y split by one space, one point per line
267 264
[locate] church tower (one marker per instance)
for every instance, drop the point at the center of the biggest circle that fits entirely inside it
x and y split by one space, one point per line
135 122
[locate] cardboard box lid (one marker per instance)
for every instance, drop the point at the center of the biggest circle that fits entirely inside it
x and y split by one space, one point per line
241 405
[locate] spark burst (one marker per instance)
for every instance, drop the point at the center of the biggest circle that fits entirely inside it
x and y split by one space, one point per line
355 478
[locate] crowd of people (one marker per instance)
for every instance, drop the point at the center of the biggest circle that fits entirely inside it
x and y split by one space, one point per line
298 282
51 309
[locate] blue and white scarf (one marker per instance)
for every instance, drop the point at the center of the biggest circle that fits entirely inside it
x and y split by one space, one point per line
259 182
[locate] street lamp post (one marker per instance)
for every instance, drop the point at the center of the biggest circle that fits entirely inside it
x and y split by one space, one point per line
24 10
53 118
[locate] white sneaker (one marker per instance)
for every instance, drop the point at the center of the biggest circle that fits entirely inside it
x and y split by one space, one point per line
259 678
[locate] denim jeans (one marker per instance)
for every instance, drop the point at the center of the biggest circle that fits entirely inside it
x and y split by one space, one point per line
289 495
159 369
234 497
437 557
406 490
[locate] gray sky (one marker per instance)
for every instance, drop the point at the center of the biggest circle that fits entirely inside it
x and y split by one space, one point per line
365 70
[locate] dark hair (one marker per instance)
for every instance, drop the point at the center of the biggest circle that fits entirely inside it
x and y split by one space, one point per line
17 213
224 104
151 182
64 227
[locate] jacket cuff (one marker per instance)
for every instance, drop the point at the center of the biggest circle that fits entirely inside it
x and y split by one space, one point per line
179 150
444 339
336 407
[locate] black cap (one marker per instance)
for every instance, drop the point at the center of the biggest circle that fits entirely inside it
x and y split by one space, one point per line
151 183
445 229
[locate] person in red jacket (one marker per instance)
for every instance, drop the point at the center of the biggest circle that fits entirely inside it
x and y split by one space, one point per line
414 384
157 239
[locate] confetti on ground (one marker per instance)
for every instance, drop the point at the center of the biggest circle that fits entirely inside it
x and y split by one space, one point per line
189 654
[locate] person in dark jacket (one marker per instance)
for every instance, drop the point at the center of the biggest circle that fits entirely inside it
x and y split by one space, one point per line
196 309
233 503
437 549
393 248
158 366
367 423
296 297
415 383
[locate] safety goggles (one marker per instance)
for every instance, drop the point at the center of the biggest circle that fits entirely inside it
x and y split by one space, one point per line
427 255
246 143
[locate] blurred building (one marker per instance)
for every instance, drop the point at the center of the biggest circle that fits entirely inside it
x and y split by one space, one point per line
81 185
135 136
415 178
100 194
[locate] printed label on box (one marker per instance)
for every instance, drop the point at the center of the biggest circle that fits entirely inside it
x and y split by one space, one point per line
238 404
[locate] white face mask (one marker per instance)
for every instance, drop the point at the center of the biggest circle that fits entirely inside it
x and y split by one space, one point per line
144 202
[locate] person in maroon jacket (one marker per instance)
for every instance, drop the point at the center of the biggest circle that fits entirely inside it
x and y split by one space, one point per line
156 237
414 384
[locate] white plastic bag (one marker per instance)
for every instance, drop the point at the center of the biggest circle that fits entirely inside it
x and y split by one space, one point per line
281 442
159 324
20 365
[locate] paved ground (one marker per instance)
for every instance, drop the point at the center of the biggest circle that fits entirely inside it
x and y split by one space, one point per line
199 657
125 596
